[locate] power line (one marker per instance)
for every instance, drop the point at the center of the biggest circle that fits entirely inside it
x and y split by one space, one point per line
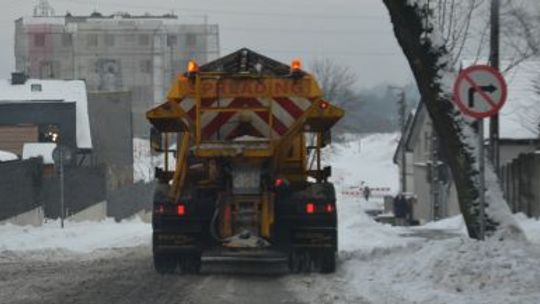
321 53
233 12
305 31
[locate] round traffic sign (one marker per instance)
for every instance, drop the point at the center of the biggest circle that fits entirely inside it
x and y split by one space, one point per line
480 91
64 153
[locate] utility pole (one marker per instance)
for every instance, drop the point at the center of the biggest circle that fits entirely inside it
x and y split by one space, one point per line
435 180
402 114
494 151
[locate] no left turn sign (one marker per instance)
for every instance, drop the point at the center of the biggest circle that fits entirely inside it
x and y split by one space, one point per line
480 91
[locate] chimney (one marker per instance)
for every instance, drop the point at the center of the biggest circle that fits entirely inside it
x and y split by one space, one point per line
18 78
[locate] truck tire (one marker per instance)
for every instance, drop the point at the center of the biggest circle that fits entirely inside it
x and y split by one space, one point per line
328 262
164 264
190 264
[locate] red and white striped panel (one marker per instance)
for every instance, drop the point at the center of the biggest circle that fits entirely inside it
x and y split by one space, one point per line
226 125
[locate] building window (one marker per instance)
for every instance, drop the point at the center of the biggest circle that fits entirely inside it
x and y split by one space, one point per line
35 87
109 40
144 39
67 40
171 40
191 40
39 40
146 66
92 40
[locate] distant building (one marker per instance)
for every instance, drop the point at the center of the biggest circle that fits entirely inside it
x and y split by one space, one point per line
519 134
141 54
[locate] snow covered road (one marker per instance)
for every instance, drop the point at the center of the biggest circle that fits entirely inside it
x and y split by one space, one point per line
124 276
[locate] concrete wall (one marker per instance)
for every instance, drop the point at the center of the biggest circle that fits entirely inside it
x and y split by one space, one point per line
96 212
112 135
128 201
33 217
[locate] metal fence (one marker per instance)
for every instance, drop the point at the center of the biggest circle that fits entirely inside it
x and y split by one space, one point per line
20 186
84 187
521 184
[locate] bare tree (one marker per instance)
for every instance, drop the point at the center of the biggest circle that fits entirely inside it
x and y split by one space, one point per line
336 81
454 19
521 30
431 64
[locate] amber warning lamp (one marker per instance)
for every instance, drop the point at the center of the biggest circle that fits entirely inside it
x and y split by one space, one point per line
296 65
192 67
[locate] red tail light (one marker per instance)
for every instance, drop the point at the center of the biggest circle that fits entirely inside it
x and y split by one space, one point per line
181 210
329 208
310 208
279 182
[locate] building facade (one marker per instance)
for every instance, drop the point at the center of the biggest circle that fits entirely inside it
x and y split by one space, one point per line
140 54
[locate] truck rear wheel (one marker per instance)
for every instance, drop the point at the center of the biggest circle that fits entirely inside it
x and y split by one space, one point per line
190 264
328 262
312 260
164 264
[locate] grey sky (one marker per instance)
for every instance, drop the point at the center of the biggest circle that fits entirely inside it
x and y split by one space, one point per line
356 33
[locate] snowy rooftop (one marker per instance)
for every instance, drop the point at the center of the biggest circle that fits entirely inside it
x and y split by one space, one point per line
520 116
43 150
35 90
7 156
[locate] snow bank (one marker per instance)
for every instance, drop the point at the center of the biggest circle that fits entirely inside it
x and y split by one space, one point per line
467 271
7 156
360 234
82 237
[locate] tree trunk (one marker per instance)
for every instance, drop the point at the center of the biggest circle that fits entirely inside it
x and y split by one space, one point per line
427 61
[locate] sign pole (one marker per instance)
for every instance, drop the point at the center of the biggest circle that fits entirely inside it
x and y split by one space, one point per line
481 169
61 177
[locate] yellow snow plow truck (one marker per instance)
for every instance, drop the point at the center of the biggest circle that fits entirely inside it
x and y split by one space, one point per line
242 179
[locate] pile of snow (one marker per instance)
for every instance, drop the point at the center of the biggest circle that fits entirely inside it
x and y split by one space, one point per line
359 234
7 156
144 161
80 237
143 169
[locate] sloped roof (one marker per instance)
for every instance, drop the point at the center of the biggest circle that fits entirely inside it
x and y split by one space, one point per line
412 127
53 91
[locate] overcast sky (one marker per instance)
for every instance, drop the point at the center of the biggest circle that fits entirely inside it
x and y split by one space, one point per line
356 33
